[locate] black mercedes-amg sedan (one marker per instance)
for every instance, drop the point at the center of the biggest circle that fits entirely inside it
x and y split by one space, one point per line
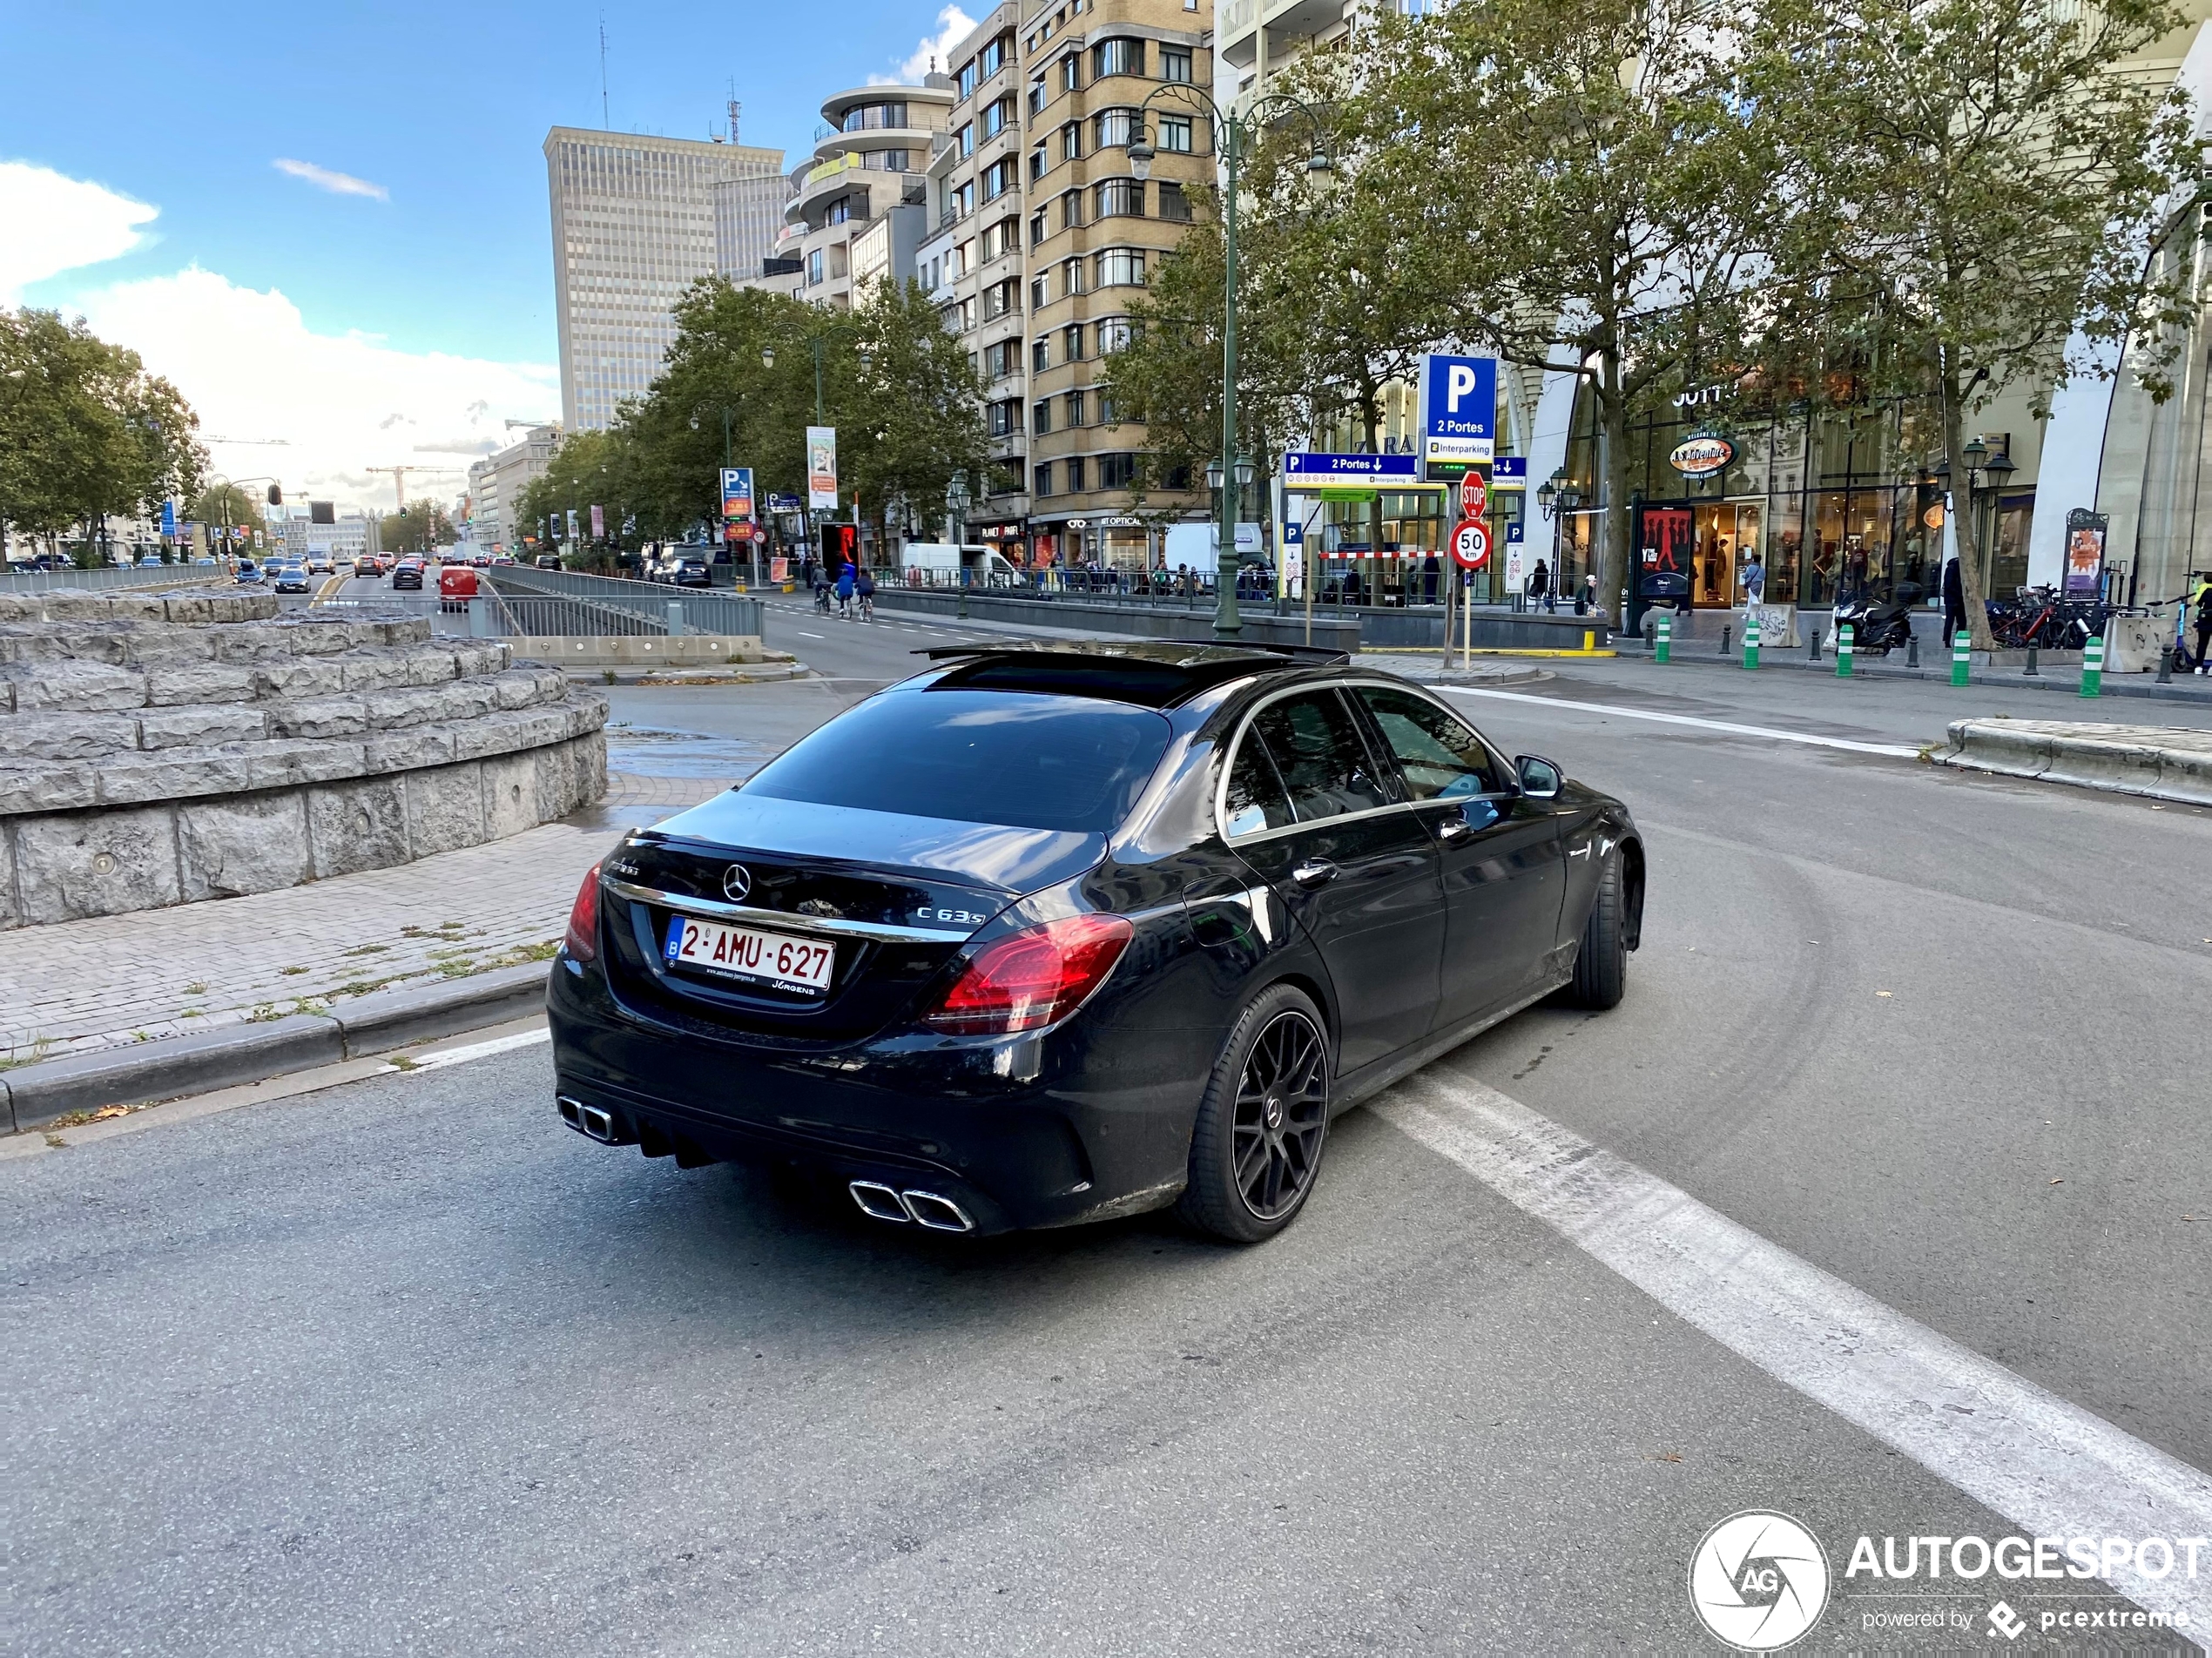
1054 932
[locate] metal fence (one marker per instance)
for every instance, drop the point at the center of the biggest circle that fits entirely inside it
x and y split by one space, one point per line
541 604
111 577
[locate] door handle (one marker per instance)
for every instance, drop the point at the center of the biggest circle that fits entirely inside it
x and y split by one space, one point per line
1454 830
1582 851
1314 871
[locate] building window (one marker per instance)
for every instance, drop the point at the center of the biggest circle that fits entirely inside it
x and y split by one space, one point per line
1005 419
1117 58
1071 341
1114 333
1112 129
999 178
962 257
993 56
1071 72
1041 416
966 138
1076 410
1116 471
1037 95
967 78
1175 133
1038 301
1074 472
1071 141
1039 163
1044 477
1039 354
1121 267
998 118
815 267
1072 278
1037 228
962 200
1105 407
1120 199
1071 210
1175 63
1002 359
1173 203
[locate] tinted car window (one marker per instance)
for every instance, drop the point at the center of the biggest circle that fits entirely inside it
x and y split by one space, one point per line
1026 762
1441 757
1256 797
1319 751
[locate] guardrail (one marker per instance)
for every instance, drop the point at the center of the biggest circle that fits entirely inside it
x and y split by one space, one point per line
114 576
544 604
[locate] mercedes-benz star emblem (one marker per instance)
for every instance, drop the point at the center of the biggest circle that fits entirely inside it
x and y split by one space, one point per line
736 883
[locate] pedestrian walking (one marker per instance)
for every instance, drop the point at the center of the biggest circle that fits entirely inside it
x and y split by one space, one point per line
1954 601
2203 622
1754 579
1539 587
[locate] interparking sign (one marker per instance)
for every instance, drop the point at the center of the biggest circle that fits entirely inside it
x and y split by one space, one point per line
1459 407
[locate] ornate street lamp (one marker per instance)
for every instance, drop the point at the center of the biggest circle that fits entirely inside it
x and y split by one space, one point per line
1234 134
956 502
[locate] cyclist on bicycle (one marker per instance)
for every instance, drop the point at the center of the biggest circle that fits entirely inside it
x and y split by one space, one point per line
821 590
845 591
863 585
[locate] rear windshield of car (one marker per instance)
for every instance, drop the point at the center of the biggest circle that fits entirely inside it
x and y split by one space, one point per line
1023 762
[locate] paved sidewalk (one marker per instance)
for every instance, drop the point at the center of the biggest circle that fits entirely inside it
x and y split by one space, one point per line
115 979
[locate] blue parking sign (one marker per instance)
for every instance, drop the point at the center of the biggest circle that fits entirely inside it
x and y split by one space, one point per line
1459 407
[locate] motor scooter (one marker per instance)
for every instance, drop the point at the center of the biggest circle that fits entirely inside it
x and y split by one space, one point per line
1878 628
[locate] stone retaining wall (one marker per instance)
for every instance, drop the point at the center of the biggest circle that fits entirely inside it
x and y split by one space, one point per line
160 750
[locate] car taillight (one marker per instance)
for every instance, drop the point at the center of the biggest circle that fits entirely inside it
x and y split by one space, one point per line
583 941
1034 977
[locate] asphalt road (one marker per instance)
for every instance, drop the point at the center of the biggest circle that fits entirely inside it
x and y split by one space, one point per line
407 1366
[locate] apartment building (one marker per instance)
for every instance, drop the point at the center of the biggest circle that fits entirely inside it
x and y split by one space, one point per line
870 156
634 223
1042 237
496 482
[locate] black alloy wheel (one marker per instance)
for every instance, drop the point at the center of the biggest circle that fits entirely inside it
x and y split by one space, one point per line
1256 1148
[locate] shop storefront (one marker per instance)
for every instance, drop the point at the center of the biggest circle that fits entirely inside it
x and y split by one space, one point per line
1831 506
1009 539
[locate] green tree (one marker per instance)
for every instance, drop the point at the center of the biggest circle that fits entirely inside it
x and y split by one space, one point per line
1599 186
423 525
1977 188
912 414
85 430
589 469
226 504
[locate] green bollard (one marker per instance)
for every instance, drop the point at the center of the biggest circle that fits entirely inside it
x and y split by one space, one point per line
1961 656
1844 636
2092 667
1662 646
1751 642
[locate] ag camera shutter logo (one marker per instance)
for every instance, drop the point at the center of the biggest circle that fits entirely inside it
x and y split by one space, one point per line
1759 1581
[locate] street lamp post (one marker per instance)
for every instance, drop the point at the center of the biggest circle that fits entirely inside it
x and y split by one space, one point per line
1234 133
956 502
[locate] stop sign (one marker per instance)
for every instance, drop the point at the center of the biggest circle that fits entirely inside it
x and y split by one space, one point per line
1471 544
1473 496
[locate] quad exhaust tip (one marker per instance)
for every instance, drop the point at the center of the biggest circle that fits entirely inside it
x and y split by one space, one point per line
925 1208
595 1122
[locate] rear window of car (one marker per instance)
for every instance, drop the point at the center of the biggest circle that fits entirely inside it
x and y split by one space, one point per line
1023 762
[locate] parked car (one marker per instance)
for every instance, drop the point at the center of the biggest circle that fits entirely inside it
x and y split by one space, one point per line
457 586
292 578
1054 932
408 573
247 574
548 561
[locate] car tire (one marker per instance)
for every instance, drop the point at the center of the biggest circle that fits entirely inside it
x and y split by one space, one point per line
1263 1122
1601 965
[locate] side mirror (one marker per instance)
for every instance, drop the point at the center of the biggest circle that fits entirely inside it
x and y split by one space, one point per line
1540 778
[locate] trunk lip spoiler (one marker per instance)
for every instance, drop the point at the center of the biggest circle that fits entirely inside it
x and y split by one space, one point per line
787 920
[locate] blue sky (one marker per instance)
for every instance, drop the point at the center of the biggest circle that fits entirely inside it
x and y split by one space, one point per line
442 109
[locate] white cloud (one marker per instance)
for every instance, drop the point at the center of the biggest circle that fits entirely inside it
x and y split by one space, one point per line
338 183
56 223
954 26
318 410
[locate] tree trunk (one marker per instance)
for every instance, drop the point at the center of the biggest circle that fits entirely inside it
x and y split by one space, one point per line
1615 558
1964 530
1369 421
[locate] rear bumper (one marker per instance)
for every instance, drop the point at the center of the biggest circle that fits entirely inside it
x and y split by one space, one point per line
1010 1130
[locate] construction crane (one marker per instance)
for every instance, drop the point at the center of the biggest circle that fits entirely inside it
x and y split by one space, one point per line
399 481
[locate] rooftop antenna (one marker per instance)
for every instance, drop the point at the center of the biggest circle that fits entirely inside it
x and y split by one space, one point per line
603 121
735 110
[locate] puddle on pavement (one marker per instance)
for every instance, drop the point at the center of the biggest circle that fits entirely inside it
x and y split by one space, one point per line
642 751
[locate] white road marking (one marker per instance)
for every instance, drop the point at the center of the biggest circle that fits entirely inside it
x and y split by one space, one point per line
2049 1466
804 635
476 1050
1894 751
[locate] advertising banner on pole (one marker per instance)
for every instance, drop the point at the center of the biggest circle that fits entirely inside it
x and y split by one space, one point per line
737 495
571 523
2085 555
169 519
821 467
598 524
1459 407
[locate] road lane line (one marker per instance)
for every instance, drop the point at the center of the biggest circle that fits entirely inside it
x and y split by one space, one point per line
803 634
1893 751
476 1050
2049 1466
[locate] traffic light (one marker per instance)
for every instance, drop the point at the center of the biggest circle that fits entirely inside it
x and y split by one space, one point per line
276 497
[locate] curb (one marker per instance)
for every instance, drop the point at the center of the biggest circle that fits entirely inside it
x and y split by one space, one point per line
2146 687
2117 760
33 1095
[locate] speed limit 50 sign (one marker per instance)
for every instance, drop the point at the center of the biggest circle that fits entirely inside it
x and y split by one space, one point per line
1471 544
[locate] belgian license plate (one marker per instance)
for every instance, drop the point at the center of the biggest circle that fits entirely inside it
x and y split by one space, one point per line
767 957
